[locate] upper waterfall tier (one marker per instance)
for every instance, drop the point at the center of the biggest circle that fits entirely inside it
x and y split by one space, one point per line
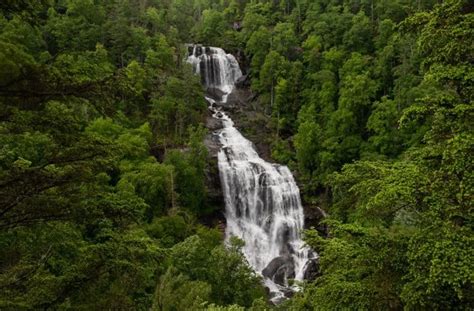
217 69
262 200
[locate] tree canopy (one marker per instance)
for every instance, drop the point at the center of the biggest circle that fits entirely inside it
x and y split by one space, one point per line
103 194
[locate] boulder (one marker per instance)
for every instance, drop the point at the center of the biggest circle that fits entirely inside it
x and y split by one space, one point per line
288 292
215 93
312 269
280 269
314 215
213 124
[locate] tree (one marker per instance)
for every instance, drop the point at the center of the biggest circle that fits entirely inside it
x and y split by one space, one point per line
176 292
403 222
359 37
284 40
274 67
211 28
231 279
257 46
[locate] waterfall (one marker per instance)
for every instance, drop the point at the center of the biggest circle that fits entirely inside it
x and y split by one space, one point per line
262 200
217 69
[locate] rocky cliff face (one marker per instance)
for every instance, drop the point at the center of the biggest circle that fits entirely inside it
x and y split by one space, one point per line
215 196
250 118
241 107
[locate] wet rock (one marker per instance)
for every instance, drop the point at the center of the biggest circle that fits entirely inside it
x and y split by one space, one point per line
288 293
263 180
214 124
280 269
233 103
215 93
211 141
284 233
314 215
158 151
190 49
312 269
243 82
214 194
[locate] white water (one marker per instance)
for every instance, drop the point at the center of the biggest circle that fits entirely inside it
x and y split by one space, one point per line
263 205
208 62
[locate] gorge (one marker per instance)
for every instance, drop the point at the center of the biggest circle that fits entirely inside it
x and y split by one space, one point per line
139 172
262 201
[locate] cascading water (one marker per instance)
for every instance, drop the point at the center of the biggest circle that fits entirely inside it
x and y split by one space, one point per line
263 206
218 70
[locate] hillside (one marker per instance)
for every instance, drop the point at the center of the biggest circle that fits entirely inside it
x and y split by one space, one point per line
114 189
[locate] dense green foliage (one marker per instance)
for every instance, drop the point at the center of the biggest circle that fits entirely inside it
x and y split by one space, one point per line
102 163
372 103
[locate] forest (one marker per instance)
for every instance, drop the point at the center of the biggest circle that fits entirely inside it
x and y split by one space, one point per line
104 201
